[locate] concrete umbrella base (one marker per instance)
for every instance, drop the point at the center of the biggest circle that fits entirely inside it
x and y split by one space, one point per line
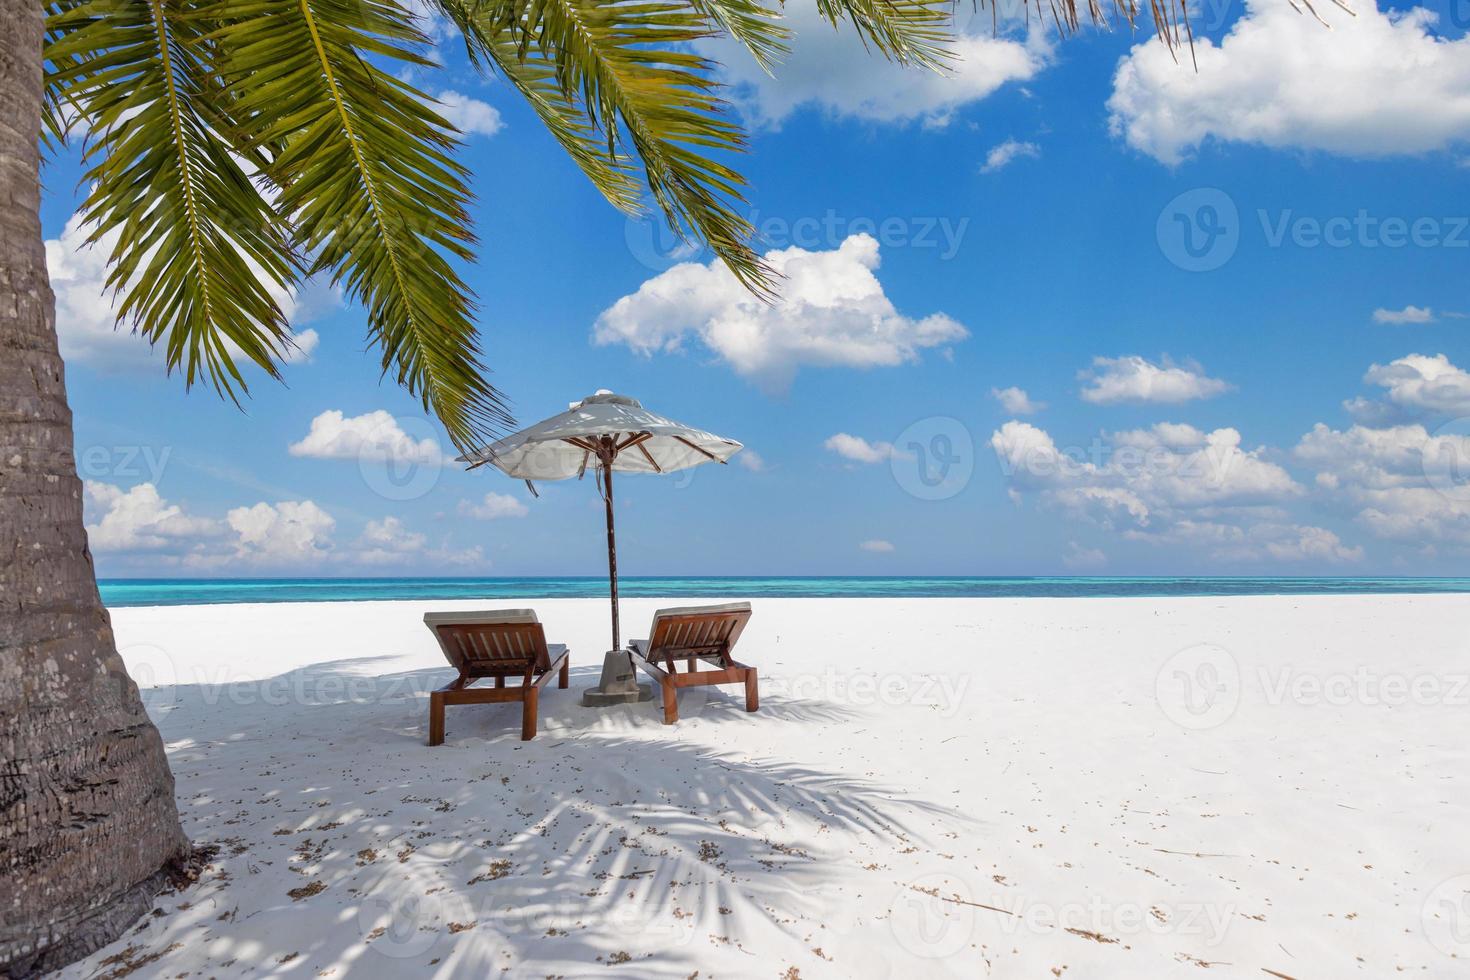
619 684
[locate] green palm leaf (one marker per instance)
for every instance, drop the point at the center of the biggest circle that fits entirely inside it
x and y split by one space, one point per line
910 32
368 184
198 248
753 24
631 69
535 78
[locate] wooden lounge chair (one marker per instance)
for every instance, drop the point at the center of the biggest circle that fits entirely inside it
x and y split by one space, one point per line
500 643
692 634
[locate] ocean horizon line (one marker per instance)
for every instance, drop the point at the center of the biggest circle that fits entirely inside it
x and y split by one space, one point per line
133 591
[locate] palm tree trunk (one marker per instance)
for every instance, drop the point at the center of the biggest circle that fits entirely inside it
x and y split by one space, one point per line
88 825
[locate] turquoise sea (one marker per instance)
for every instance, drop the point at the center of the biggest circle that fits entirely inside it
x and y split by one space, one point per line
188 592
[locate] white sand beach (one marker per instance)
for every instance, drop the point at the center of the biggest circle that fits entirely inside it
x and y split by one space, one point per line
1241 787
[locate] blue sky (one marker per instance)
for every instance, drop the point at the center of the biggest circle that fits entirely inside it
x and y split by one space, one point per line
1232 299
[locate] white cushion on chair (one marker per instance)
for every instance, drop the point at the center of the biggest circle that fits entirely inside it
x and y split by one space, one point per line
722 607
483 617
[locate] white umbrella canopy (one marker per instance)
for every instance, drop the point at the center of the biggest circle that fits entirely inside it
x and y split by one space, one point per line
607 433
565 445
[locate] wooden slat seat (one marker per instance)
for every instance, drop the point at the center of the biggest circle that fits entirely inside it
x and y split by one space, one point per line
495 644
694 634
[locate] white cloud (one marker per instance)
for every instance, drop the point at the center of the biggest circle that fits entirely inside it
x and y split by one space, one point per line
1401 455
468 115
877 545
1409 314
139 528
832 71
139 519
858 449
1016 401
494 506
303 345
431 20
1299 542
388 542
1420 384
292 532
373 436
86 310
1160 484
1286 543
1403 482
1415 515
1134 379
832 312
1377 84
751 460
1003 154
1178 486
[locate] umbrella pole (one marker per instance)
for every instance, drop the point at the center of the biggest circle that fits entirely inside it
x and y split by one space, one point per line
619 683
612 549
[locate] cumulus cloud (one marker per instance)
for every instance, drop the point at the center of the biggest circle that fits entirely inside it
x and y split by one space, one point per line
1003 154
469 115
139 519
1173 485
86 310
389 542
1170 483
1423 516
1111 380
292 532
877 545
1400 455
832 72
1377 84
1409 314
1016 401
832 312
373 436
1285 543
494 506
858 449
138 527
1402 482
1421 384
1164 468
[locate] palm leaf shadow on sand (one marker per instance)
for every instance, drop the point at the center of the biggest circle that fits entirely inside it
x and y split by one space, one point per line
608 829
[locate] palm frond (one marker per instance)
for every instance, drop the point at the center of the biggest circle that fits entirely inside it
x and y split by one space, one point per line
198 249
753 24
368 184
631 69
909 32
534 77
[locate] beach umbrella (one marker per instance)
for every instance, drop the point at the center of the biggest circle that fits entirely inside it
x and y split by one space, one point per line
602 434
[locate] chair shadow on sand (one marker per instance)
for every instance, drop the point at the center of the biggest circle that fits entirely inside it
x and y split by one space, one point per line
608 829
